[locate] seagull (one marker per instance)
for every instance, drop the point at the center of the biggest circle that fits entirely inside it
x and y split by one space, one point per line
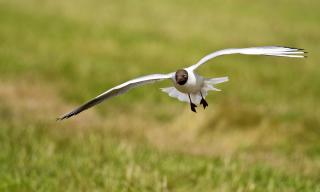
188 86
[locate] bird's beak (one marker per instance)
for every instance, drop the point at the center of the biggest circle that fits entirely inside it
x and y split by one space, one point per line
181 80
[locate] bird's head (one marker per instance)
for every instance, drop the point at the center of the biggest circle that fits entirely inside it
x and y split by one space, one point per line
181 76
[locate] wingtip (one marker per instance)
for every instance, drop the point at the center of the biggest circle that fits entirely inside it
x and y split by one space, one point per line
64 117
305 54
295 48
299 49
60 118
302 51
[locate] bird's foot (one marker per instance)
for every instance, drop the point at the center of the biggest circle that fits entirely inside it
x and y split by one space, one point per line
204 103
193 107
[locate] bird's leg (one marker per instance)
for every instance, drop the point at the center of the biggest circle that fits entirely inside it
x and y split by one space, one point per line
193 106
203 102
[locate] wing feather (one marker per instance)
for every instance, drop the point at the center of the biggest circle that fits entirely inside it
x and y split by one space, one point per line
118 90
269 50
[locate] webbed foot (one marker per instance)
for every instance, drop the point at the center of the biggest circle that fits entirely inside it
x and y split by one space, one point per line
193 107
204 103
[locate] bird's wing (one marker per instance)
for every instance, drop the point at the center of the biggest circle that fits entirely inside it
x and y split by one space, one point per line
269 51
118 90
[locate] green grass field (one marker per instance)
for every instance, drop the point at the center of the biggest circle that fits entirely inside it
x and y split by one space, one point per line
261 133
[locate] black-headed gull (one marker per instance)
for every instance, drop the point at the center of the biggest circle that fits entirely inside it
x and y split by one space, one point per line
188 86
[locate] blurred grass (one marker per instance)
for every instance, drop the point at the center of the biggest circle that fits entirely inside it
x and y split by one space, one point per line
260 134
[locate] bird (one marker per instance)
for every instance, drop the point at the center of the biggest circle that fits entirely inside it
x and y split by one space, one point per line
188 85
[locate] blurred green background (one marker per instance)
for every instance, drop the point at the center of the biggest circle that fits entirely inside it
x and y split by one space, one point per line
260 134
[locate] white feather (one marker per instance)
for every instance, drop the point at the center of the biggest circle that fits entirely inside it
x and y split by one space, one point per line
118 90
269 50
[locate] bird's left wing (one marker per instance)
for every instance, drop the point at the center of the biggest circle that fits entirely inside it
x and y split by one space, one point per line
118 90
268 50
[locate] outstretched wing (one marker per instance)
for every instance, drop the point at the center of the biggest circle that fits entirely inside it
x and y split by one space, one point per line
118 90
270 51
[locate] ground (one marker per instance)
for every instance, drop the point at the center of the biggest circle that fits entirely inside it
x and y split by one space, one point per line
261 133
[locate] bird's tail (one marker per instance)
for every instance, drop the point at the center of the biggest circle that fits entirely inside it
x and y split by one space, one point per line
210 83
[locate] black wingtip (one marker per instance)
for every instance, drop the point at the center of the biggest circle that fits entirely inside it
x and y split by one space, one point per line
298 49
67 116
60 118
305 54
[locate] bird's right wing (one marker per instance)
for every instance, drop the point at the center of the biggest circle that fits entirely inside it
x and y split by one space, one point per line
268 50
118 90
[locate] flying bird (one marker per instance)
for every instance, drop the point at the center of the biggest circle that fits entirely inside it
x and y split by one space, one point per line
188 86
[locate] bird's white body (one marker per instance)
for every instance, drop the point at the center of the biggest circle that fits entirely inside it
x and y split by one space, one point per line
196 87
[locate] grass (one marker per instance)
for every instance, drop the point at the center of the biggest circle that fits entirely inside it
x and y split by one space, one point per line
260 134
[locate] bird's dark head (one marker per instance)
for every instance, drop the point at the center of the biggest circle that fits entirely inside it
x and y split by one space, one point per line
181 76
